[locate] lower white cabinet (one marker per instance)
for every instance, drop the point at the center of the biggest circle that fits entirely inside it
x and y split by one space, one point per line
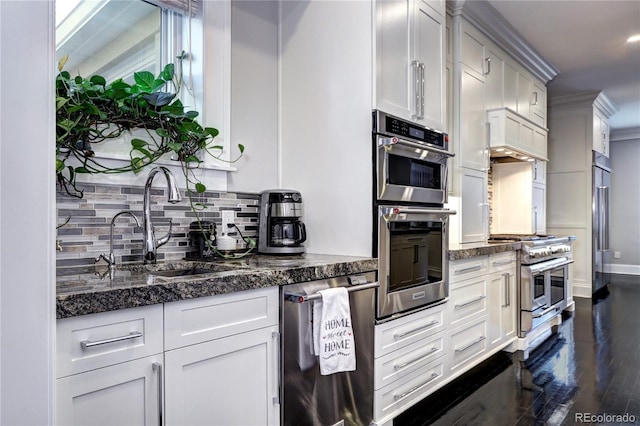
503 311
129 393
227 381
209 361
409 360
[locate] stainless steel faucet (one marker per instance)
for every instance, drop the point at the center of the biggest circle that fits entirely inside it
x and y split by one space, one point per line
111 259
151 243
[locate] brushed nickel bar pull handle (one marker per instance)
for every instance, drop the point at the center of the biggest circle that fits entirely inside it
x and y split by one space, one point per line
503 262
89 344
157 367
276 337
302 298
469 269
415 360
507 290
415 388
472 301
422 77
416 88
488 62
475 342
535 98
415 330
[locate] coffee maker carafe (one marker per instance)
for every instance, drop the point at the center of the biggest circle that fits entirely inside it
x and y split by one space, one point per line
281 228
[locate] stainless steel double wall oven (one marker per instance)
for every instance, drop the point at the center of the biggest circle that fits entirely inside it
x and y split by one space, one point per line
410 221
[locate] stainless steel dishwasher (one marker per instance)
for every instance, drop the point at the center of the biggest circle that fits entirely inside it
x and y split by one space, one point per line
308 398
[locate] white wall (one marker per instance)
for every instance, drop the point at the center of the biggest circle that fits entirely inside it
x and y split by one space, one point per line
27 212
325 104
625 201
254 94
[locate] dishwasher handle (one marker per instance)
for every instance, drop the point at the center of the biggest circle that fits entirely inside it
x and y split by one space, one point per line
302 298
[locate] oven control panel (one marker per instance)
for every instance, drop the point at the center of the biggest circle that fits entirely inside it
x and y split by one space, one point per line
546 251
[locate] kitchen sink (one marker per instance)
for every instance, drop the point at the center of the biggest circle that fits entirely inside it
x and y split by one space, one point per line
182 268
182 272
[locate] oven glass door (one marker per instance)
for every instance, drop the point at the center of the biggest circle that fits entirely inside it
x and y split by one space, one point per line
409 174
415 254
412 247
557 280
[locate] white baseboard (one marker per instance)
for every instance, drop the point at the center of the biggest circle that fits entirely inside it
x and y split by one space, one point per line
625 269
582 288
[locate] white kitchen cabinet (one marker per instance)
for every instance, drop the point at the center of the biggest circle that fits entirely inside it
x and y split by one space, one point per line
129 393
574 133
222 359
410 52
495 87
474 207
519 202
220 364
538 110
228 381
107 360
502 299
600 133
409 360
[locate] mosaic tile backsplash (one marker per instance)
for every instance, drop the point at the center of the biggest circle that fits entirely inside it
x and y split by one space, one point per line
86 234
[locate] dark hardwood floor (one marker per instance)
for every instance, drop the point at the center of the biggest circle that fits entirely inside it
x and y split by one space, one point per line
591 367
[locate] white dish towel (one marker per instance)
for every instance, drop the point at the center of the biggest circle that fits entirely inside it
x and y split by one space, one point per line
333 338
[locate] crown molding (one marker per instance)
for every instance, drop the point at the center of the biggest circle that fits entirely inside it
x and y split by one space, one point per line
486 18
598 99
628 134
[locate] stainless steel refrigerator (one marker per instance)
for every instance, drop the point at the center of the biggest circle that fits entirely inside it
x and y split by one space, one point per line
601 255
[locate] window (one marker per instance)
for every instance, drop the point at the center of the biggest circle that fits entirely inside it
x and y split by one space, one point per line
112 38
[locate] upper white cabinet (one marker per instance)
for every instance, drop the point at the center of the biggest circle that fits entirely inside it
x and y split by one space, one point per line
410 52
600 133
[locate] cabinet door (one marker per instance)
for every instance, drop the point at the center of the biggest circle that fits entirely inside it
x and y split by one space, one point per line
402 256
228 381
473 122
474 206
429 50
393 58
539 208
538 103
122 394
502 313
524 94
494 81
510 86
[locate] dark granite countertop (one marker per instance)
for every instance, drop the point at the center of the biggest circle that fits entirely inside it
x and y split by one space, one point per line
466 251
87 290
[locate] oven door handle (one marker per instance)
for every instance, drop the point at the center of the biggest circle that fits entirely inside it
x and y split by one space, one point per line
389 211
302 298
403 142
543 267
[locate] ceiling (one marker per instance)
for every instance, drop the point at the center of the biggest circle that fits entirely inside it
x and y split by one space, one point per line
586 41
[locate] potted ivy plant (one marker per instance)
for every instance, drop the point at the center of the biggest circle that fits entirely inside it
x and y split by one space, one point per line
91 111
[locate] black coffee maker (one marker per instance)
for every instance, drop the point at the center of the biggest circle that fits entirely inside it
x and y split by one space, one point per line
281 228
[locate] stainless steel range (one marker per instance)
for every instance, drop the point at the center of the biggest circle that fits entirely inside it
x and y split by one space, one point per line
544 278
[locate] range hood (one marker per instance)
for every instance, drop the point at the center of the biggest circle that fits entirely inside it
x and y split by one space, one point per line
514 136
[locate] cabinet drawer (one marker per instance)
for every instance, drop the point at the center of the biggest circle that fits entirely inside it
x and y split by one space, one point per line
408 359
194 321
409 329
502 262
468 299
92 341
467 342
466 268
408 390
